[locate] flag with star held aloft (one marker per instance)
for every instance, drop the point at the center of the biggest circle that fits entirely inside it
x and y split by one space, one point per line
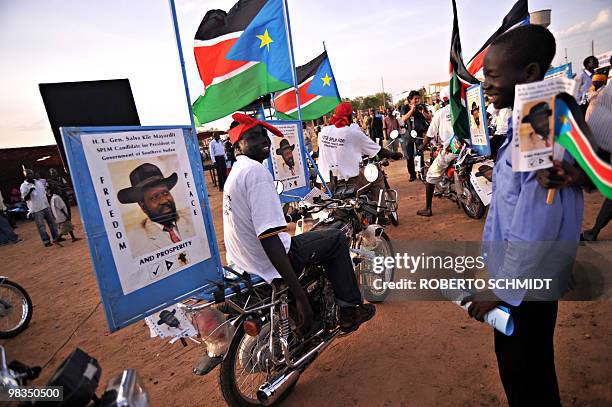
459 81
241 55
317 88
573 133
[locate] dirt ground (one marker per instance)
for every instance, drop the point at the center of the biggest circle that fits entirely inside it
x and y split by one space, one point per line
411 354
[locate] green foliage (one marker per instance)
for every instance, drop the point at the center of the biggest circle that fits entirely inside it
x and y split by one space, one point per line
371 101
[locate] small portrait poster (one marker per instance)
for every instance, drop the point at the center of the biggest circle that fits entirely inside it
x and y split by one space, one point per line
533 123
479 131
148 225
287 160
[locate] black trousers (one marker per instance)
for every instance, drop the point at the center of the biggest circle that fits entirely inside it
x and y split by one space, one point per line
410 152
328 247
221 170
526 360
603 217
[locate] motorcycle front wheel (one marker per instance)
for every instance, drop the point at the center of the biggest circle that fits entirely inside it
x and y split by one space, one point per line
243 370
368 277
15 309
470 202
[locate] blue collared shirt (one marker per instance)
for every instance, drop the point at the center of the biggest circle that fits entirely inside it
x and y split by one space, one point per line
524 237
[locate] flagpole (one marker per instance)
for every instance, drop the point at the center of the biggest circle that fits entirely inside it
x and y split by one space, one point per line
295 85
273 104
180 51
293 68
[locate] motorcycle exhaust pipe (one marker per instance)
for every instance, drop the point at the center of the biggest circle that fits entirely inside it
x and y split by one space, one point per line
268 393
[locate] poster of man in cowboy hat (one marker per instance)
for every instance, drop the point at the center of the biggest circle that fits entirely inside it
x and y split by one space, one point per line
478 129
152 216
159 223
287 158
536 130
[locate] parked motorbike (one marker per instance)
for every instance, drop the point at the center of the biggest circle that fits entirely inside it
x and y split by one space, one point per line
15 308
359 218
457 185
78 377
262 353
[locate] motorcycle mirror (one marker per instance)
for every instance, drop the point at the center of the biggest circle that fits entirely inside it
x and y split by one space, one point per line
279 187
394 134
370 172
413 134
125 389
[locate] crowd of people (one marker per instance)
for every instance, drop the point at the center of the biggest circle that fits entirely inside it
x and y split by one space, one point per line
518 209
46 201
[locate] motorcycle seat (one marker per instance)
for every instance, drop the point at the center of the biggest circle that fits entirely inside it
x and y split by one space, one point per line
231 282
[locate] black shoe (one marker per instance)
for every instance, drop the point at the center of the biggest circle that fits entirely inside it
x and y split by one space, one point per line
412 179
60 239
424 212
206 364
588 236
48 244
352 317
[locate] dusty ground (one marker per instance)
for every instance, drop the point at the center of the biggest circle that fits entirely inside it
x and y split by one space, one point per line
411 354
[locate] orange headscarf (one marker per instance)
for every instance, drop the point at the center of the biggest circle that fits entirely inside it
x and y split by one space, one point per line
342 114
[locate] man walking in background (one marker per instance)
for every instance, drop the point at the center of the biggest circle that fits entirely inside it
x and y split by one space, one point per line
217 155
33 192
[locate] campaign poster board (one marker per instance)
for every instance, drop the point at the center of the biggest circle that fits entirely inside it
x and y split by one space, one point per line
288 162
145 212
479 129
560 71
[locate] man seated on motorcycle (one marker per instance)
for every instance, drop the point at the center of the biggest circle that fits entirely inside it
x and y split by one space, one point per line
441 127
342 147
254 231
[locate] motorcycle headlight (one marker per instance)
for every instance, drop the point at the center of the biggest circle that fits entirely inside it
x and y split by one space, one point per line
125 390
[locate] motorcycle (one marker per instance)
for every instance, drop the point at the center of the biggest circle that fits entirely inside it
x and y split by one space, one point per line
359 219
15 308
73 384
249 326
459 185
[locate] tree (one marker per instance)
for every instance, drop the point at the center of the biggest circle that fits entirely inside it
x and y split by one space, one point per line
371 101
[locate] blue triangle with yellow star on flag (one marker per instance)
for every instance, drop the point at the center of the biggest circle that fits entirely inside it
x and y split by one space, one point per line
324 83
265 40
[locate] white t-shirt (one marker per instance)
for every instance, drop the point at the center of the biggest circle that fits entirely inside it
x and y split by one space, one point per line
341 149
57 204
38 199
441 126
250 207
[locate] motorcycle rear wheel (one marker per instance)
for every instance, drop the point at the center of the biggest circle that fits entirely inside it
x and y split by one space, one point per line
475 209
233 383
383 248
14 300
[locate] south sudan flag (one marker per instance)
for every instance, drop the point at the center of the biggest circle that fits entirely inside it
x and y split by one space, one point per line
317 88
460 80
241 55
575 135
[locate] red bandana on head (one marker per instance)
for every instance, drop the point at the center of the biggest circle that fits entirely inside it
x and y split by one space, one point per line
247 123
342 114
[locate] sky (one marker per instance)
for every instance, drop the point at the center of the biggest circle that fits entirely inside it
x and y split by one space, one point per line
406 42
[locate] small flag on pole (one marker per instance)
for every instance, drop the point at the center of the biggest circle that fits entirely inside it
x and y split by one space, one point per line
575 135
461 78
317 88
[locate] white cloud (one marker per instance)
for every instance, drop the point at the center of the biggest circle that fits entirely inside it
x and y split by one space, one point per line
603 20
